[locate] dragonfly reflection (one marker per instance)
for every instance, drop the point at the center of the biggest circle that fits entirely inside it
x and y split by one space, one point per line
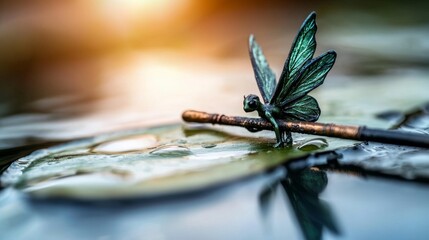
302 189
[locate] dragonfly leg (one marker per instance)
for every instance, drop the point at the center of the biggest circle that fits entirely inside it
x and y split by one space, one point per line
279 138
287 138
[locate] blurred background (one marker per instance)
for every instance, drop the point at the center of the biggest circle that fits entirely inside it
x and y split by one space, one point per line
75 68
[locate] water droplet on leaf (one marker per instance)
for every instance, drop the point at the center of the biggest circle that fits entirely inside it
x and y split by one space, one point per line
208 145
127 144
171 151
181 141
313 144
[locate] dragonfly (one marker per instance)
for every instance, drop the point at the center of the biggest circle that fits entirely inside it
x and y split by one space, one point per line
288 99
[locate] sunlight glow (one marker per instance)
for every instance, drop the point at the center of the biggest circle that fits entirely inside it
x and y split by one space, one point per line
146 8
137 16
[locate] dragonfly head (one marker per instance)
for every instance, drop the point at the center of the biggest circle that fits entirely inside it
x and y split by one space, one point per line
251 103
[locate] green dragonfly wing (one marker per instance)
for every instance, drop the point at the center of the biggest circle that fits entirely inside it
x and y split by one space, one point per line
304 109
301 53
312 76
265 77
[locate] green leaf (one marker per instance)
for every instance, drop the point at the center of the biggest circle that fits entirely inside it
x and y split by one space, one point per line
265 77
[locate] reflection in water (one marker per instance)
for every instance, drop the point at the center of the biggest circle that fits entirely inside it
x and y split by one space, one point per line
302 189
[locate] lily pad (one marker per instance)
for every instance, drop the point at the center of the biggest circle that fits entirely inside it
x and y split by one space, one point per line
153 161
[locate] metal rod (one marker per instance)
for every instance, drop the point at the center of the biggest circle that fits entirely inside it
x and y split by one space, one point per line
361 133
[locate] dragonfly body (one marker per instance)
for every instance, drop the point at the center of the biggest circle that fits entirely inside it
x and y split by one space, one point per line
287 99
269 112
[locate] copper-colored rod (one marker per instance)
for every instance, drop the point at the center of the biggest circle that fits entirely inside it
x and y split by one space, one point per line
361 133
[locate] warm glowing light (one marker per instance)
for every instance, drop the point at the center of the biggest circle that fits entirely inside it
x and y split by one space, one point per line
130 16
145 8
142 3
